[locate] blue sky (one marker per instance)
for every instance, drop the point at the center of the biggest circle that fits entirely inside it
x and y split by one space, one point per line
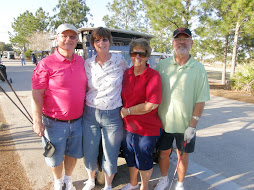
11 9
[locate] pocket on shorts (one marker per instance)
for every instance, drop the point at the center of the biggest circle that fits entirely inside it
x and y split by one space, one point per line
114 113
48 122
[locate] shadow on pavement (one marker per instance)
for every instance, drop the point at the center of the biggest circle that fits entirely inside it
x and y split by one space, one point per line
225 141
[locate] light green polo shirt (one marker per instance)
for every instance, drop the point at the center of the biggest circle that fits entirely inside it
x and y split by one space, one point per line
182 87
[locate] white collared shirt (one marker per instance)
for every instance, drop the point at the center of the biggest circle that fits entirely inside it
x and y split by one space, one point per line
105 82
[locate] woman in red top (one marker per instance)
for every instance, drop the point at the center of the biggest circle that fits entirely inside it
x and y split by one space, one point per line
141 95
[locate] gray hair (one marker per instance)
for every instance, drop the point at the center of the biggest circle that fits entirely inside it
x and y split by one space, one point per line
142 43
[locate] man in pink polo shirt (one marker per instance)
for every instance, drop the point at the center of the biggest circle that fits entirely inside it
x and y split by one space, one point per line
59 84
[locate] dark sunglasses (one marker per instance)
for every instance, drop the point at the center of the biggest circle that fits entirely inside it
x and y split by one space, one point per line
141 54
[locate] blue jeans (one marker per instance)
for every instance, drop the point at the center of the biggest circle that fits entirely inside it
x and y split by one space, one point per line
105 125
66 138
23 62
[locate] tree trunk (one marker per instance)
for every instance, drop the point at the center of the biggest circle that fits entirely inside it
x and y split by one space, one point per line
24 48
233 64
86 44
223 74
188 4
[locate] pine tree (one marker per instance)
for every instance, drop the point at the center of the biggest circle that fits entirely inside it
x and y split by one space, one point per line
73 12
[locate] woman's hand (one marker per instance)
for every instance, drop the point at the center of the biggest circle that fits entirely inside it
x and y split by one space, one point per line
139 109
121 112
124 112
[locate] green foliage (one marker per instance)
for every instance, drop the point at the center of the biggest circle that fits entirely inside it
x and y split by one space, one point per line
2 46
240 15
43 20
170 14
125 14
28 53
26 24
166 16
18 51
8 47
225 27
70 11
162 41
245 48
214 30
22 26
244 79
5 47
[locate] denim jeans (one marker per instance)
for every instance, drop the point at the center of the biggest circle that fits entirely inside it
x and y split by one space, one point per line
105 125
66 138
23 62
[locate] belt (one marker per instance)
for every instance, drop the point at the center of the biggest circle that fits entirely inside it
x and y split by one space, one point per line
66 121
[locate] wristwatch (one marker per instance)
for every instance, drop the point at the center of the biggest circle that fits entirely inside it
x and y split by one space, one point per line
195 117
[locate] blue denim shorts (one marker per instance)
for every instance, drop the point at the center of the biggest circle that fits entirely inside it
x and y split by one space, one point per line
66 138
105 126
138 150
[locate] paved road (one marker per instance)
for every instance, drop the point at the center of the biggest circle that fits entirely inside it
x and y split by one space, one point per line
223 159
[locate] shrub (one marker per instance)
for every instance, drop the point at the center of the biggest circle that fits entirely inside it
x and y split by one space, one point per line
243 80
28 53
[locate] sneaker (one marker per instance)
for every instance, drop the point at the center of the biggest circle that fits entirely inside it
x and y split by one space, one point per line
69 185
58 185
179 186
163 183
89 185
129 187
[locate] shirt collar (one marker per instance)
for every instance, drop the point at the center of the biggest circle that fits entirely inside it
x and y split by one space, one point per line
112 58
131 70
189 63
62 58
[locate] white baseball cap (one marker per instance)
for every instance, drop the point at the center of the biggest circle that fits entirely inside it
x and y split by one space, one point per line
63 27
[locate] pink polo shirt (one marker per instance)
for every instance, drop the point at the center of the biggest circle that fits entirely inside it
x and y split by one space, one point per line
65 84
140 89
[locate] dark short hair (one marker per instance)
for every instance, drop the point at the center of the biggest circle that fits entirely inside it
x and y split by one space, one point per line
99 33
142 43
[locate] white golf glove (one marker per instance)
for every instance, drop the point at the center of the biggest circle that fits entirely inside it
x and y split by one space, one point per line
189 134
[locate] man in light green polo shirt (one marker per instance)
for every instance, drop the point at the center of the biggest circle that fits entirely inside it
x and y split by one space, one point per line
185 89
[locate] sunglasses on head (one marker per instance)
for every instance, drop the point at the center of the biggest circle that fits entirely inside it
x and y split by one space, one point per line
141 54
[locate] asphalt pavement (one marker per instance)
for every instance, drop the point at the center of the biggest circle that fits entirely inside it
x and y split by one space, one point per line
223 157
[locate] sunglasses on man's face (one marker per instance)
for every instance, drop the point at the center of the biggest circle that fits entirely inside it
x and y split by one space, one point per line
134 54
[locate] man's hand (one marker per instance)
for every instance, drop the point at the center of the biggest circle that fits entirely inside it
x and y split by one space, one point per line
39 129
189 134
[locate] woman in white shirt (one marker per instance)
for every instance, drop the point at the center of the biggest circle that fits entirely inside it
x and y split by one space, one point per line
102 119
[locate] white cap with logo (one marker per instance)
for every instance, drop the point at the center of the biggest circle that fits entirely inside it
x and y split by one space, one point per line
64 27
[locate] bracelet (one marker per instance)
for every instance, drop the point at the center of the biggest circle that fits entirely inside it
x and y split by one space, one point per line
195 117
129 111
